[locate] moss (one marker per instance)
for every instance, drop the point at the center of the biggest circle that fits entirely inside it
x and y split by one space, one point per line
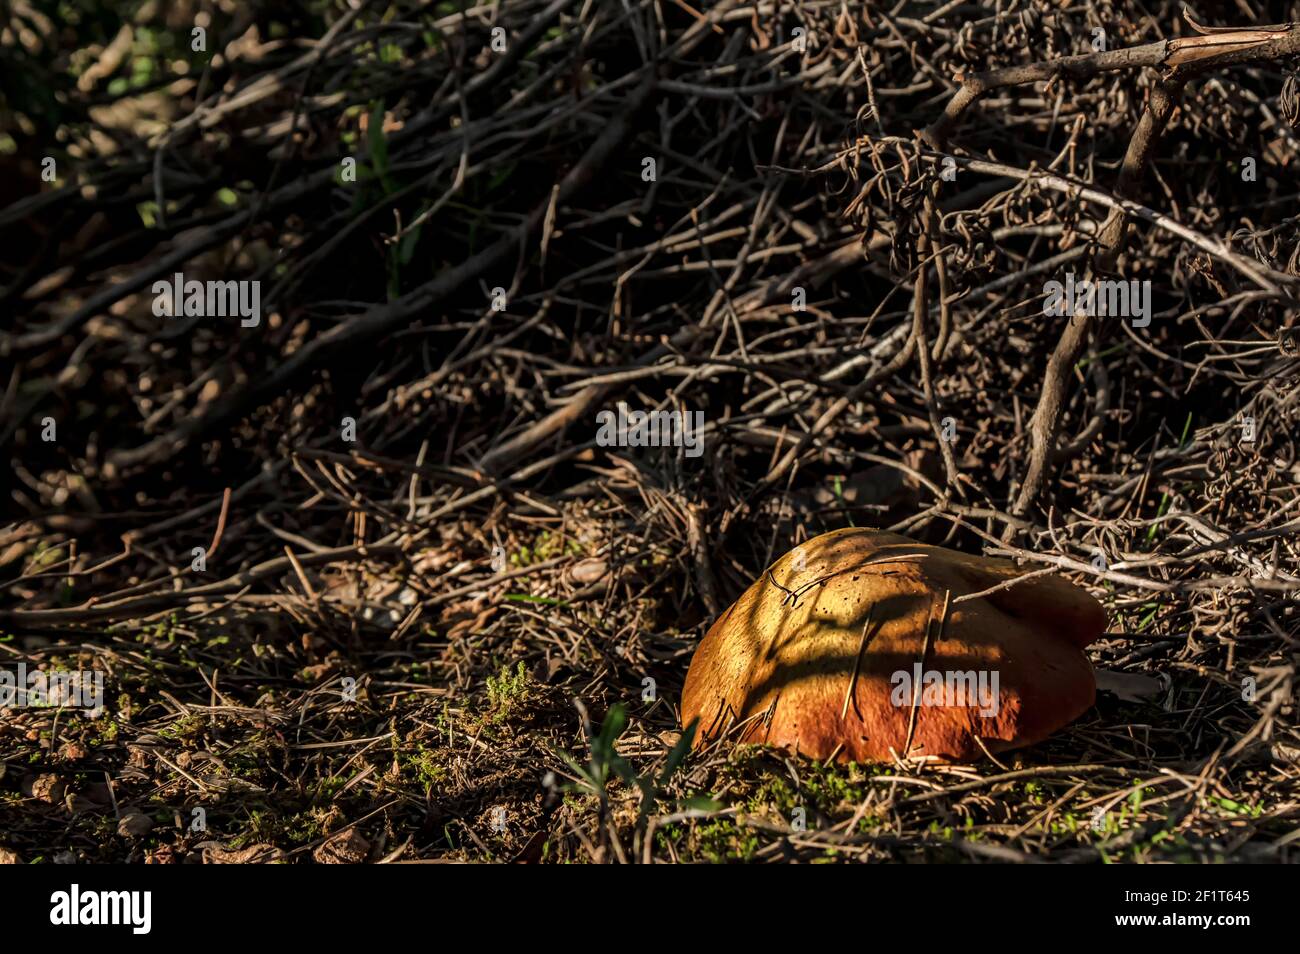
830 788
546 546
720 841
424 768
306 826
185 727
326 788
104 730
507 692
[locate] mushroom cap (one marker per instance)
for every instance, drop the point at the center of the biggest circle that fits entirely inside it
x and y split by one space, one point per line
812 657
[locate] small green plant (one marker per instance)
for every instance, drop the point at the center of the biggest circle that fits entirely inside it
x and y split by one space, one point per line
606 764
507 692
426 768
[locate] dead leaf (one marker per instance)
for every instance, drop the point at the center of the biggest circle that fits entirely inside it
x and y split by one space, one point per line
44 788
1128 686
531 853
346 848
588 571
215 854
134 825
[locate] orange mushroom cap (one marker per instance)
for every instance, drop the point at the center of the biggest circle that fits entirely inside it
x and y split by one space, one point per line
857 645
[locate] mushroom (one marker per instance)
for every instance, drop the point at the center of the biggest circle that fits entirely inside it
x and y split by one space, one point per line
866 646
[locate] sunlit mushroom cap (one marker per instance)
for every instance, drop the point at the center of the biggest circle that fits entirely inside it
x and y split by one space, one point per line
844 649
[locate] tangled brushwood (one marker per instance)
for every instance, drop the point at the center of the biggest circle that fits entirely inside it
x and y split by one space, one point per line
361 579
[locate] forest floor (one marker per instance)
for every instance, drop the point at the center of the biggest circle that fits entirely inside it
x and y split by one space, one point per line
359 579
